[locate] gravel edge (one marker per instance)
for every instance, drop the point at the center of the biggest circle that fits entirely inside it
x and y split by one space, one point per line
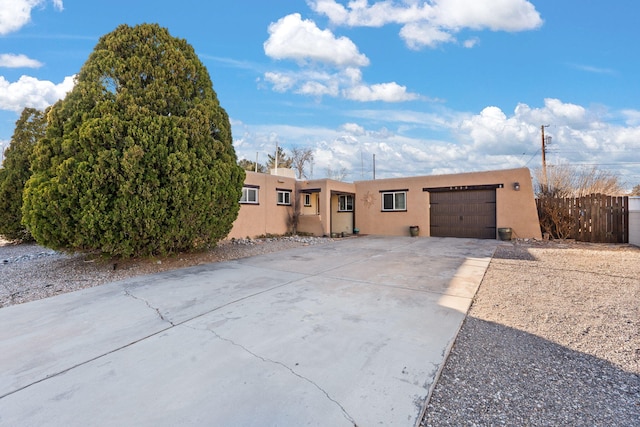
29 272
552 338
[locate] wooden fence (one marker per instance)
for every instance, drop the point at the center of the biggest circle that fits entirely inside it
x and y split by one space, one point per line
595 218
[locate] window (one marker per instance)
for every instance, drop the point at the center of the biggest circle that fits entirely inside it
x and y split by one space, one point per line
284 197
249 195
394 201
307 199
345 203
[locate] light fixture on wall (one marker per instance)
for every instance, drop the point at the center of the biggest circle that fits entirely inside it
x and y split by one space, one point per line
516 186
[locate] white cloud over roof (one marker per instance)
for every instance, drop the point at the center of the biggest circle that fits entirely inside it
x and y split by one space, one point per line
491 138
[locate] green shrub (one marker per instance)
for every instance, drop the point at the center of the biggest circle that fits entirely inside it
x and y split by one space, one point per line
138 158
16 170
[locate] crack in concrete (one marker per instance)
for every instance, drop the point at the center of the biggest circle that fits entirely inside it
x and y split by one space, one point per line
275 362
157 310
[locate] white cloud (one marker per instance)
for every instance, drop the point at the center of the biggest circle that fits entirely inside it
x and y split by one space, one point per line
353 129
301 40
580 137
592 69
281 82
346 83
470 43
429 23
424 23
15 14
359 13
632 117
314 49
387 92
430 120
319 89
31 92
555 111
417 36
489 139
10 60
495 15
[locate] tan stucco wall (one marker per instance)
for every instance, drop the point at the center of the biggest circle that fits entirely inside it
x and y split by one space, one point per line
634 221
341 222
322 221
267 217
515 209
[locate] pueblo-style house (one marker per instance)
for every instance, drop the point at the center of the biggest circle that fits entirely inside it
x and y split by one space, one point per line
473 205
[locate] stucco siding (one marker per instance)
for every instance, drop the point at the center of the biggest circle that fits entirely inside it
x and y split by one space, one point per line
634 221
319 223
341 222
265 217
514 208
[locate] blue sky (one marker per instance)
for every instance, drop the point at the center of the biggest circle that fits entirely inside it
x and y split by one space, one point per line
429 87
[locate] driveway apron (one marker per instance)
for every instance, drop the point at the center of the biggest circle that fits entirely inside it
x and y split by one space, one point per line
352 332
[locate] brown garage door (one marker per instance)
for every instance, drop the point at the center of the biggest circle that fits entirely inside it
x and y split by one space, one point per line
465 213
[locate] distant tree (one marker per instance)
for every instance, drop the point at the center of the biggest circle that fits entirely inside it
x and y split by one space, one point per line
300 159
16 170
635 191
248 165
575 181
138 157
284 161
337 174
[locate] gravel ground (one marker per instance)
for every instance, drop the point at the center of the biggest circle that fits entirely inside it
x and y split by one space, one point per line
552 338
30 272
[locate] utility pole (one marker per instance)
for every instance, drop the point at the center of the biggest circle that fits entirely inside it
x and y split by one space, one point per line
374 166
276 160
545 179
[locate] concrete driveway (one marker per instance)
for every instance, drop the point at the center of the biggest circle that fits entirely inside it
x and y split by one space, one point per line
348 333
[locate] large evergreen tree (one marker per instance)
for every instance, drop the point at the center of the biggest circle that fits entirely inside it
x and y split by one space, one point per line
138 158
16 170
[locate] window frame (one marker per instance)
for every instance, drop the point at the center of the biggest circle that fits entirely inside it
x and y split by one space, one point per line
285 200
394 194
245 191
307 200
345 206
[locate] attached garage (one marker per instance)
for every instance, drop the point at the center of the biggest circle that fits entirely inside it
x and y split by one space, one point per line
468 211
470 205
